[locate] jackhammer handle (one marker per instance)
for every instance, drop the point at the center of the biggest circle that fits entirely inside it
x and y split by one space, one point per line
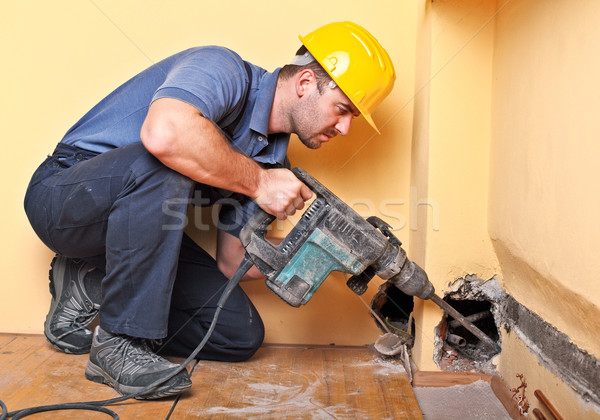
314 185
259 222
303 176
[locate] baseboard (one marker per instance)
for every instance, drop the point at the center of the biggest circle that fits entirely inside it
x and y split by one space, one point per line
444 379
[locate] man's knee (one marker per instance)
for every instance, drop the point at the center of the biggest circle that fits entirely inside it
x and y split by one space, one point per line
248 341
232 340
238 341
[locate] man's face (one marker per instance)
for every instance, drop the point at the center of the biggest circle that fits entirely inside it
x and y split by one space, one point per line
321 116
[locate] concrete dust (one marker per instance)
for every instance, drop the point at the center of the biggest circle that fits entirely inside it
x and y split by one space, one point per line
300 394
267 400
474 401
385 366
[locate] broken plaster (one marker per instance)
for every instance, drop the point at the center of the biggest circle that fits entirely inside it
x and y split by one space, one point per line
553 349
471 357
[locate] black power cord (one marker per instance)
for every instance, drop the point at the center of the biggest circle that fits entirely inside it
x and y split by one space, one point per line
99 405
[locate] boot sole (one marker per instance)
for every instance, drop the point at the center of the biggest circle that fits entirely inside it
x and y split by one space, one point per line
96 374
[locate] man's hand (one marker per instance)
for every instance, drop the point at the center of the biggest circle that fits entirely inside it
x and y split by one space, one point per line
280 193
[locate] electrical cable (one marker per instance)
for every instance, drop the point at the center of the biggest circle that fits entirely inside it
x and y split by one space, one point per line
387 321
243 268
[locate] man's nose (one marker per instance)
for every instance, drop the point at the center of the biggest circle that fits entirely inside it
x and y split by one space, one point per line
343 125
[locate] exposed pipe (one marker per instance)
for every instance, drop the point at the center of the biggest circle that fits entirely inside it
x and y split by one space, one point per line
546 403
457 340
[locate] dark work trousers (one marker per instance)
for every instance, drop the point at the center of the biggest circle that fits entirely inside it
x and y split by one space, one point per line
123 211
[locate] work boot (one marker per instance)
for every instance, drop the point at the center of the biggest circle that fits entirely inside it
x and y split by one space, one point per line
75 289
129 366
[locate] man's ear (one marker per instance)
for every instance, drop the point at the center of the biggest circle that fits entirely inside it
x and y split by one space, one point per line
304 80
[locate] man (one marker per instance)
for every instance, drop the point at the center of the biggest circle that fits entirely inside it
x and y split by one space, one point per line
200 124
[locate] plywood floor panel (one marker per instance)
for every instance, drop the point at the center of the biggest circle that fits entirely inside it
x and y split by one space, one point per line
32 373
278 382
312 383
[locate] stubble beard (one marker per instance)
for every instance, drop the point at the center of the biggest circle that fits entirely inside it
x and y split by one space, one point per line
305 119
310 142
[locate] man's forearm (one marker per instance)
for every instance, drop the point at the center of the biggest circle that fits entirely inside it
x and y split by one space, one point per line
180 137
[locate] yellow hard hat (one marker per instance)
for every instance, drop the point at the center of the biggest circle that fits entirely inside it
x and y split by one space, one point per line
356 61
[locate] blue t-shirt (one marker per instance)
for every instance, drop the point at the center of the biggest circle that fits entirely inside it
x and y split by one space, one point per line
212 79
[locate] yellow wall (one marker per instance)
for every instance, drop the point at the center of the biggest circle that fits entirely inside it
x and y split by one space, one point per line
505 152
450 155
61 57
544 201
518 359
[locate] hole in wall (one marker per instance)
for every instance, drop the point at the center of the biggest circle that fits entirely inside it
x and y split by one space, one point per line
395 308
456 348
461 340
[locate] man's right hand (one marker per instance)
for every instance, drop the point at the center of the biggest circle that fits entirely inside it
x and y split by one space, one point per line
280 193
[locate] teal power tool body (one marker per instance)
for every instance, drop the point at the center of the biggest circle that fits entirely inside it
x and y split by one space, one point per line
331 236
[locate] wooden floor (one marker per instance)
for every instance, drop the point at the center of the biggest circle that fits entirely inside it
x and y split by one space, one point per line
278 382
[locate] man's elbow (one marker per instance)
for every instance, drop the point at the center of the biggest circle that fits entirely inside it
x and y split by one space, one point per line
157 138
226 267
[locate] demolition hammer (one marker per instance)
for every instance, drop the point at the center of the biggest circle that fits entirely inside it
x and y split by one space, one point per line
330 236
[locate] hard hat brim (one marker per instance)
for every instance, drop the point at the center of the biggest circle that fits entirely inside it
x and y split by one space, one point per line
371 122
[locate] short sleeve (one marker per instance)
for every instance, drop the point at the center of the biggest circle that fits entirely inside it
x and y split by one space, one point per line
212 79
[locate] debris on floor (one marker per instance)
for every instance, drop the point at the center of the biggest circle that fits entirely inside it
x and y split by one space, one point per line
475 401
